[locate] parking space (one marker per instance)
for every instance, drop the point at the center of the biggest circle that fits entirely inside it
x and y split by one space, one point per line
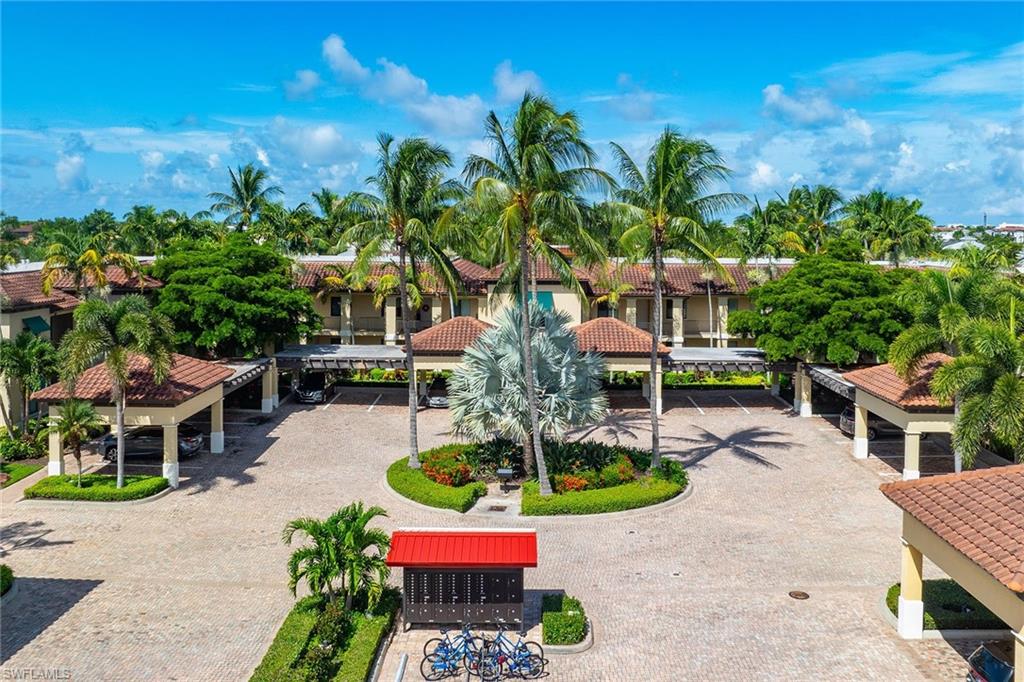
714 402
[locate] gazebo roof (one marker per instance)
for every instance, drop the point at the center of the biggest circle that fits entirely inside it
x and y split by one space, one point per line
426 548
979 513
884 383
450 337
611 336
188 377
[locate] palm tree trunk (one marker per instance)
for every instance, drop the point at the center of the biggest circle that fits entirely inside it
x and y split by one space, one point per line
78 460
528 372
655 337
6 417
120 436
24 405
403 296
712 328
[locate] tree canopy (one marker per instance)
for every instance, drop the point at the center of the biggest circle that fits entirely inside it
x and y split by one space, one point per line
232 299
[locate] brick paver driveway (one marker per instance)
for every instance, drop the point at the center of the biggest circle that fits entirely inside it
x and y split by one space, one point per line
192 586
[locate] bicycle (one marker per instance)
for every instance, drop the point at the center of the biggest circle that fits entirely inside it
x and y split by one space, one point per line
523 658
441 652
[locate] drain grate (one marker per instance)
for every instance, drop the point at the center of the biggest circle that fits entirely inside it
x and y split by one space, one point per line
497 508
797 594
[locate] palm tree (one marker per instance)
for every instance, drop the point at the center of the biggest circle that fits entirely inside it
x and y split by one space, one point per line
30 361
249 192
318 563
337 280
141 230
116 332
73 252
666 207
861 216
764 233
901 229
74 424
540 169
413 195
815 210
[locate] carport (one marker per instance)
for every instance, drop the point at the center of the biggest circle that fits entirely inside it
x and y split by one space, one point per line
329 356
625 348
440 347
909 405
191 385
970 525
827 377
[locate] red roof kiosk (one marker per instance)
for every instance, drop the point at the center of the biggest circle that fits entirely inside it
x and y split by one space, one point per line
455 576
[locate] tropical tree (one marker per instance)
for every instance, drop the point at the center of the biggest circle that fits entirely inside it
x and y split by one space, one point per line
79 255
249 192
611 281
412 196
29 361
764 233
861 215
901 229
75 423
533 185
486 391
317 563
117 332
815 210
337 280
142 231
11 248
665 209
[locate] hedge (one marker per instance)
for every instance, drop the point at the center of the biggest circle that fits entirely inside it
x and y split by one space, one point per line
96 488
641 493
358 658
414 484
17 471
6 578
288 644
939 596
563 618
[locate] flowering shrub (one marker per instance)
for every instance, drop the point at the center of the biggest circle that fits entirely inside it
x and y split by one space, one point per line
568 482
618 472
446 466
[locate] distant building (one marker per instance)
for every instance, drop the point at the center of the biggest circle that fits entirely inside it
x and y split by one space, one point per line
947 233
1014 232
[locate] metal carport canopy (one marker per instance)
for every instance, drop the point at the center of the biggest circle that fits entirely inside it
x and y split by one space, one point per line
691 359
831 379
338 356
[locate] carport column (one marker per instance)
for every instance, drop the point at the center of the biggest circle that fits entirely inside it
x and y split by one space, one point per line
217 427
1018 656
657 391
911 455
631 311
391 321
860 431
796 388
275 377
775 383
267 382
55 466
805 395
911 607
171 454
271 376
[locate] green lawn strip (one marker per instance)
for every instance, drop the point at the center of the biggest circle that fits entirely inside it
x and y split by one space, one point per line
944 593
415 485
288 643
564 620
641 493
357 659
18 471
96 488
6 578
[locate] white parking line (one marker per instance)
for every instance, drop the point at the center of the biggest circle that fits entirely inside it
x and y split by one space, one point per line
336 394
738 403
379 396
695 404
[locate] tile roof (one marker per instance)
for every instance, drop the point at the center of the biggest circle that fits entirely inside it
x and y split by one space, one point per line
24 291
117 279
311 273
463 548
883 382
188 377
612 337
979 513
450 337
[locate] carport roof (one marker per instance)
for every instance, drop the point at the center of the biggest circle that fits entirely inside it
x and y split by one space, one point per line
188 377
884 383
340 356
979 513
612 337
688 358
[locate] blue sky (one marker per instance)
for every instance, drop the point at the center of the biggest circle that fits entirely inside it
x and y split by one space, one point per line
110 105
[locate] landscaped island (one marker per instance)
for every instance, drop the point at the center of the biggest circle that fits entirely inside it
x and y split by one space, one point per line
96 488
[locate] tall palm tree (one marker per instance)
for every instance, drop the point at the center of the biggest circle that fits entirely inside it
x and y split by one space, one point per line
540 168
666 207
764 233
249 192
75 423
141 231
76 253
901 229
861 214
412 196
337 280
116 332
30 361
815 210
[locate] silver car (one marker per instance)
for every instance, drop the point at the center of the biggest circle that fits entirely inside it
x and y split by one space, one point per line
876 425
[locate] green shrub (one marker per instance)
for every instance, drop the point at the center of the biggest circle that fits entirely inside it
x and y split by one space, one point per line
618 472
96 488
446 465
20 445
361 649
947 606
671 470
6 578
415 485
640 493
574 457
564 619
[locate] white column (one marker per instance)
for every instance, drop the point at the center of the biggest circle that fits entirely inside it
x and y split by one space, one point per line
217 427
267 384
1018 656
275 396
797 390
436 310
171 454
911 455
55 465
860 432
677 320
723 320
657 392
391 321
631 311
805 395
911 607
775 383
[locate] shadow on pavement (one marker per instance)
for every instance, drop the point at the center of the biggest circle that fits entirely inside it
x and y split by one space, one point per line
39 603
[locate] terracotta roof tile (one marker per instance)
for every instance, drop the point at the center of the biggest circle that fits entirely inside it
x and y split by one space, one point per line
188 377
612 337
24 291
117 279
979 513
883 382
311 273
450 337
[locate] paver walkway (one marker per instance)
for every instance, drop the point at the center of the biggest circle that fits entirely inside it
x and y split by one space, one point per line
192 586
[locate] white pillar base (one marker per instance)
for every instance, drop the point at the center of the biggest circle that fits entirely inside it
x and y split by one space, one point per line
55 467
860 448
775 389
645 390
910 619
267 406
797 404
216 442
275 400
958 462
911 474
171 473
805 409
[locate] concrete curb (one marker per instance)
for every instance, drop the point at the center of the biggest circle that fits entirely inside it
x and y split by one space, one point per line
886 614
426 507
383 646
92 504
569 649
626 513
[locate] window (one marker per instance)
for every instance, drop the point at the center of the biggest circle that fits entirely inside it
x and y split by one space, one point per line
546 300
465 308
603 310
733 304
335 306
668 309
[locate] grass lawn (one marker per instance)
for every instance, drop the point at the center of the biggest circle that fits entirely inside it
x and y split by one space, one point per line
640 493
947 606
415 485
96 488
19 470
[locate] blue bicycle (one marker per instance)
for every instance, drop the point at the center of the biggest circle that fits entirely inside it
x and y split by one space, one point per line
447 655
522 658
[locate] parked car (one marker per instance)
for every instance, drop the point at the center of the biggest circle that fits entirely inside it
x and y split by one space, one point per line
149 441
876 425
986 665
314 387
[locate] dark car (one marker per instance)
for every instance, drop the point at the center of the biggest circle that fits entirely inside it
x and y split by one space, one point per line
876 425
149 441
986 665
313 387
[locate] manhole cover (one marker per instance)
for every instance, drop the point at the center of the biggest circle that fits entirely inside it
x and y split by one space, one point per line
797 594
497 508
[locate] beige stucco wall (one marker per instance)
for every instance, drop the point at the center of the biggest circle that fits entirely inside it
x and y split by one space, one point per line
914 422
562 298
11 324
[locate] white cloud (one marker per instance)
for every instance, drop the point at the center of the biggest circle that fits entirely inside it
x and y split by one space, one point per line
261 156
394 83
251 87
346 67
893 67
764 176
185 183
807 107
151 161
303 86
1000 75
448 114
509 84
336 175
318 144
632 103
70 171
